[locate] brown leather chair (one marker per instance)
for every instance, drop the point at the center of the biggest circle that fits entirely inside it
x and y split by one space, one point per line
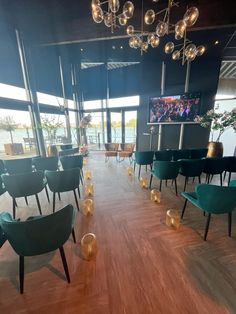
111 150
126 151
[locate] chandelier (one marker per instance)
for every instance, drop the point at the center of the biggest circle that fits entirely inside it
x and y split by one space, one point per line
142 39
107 12
187 51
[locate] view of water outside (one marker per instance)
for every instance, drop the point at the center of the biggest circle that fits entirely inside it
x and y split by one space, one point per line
229 136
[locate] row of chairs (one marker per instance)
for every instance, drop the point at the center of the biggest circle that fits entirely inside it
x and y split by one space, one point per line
119 150
23 180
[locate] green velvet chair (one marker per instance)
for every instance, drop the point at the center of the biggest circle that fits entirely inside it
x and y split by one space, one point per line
181 154
164 155
2 167
191 168
198 153
213 166
69 162
230 166
212 199
67 152
232 183
24 185
63 181
165 170
16 166
143 159
2 187
39 235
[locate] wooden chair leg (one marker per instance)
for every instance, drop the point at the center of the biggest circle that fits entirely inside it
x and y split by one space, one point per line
14 208
46 190
73 235
229 223
207 226
26 200
176 190
160 185
139 171
185 183
63 258
221 182
76 200
229 178
183 210
38 203
21 273
150 183
53 202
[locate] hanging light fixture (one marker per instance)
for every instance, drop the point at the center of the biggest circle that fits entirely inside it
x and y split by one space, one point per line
187 51
110 15
142 38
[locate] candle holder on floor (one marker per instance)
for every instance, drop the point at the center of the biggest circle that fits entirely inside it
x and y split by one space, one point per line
173 219
130 171
89 191
143 183
89 246
88 207
88 174
155 196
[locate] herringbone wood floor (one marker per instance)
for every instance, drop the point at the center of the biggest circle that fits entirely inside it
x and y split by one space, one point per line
142 266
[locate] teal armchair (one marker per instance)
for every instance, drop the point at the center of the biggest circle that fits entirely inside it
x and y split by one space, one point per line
23 185
47 234
16 166
181 154
230 166
212 199
143 158
70 162
232 183
191 168
63 181
198 153
2 167
164 155
214 166
165 170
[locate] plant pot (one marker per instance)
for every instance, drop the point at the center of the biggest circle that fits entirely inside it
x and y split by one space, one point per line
14 149
215 149
52 150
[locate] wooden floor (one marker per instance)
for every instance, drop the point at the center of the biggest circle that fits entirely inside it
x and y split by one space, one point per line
142 266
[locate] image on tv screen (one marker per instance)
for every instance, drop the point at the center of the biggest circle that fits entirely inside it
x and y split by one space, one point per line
180 108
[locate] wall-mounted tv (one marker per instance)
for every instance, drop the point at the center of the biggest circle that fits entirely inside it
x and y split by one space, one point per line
180 108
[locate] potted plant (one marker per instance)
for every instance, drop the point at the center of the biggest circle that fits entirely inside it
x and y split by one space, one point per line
8 124
218 122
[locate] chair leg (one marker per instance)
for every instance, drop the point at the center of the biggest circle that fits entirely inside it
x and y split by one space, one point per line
199 179
76 200
63 258
208 179
146 168
185 183
21 273
59 196
81 176
38 203
221 182
224 175
53 202
139 171
160 185
229 223
150 183
176 191
134 166
73 235
207 226
229 178
46 190
14 208
212 177
183 210
79 192
166 182
193 179
26 200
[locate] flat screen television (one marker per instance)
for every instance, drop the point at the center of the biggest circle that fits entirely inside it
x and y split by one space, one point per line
179 108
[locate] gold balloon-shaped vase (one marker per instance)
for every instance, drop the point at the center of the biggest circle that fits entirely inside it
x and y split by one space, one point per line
89 246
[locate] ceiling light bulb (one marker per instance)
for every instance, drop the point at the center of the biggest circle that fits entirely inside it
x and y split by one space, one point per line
169 47
200 50
180 27
155 41
97 14
128 9
149 17
130 30
191 16
114 5
161 29
176 55
122 20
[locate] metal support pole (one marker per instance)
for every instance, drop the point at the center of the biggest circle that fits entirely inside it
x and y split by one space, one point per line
76 103
159 137
181 136
163 77
103 130
187 78
65 103
31 96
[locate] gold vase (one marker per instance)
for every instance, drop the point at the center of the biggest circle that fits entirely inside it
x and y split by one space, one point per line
89 246
215 149
52 150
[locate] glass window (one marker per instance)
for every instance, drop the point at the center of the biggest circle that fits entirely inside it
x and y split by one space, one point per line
92 104
13 92
73 126
97 131
16 135
123 102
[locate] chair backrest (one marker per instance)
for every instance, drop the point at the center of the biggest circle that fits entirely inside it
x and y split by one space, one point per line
181 154
230 163
198 153
41 234
112 146
63 181
14 166
215 165
192 167
66 146
166 170
144 158
69 162
2 167
67 152
216 199
24 184
127 147
45 163
164 155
